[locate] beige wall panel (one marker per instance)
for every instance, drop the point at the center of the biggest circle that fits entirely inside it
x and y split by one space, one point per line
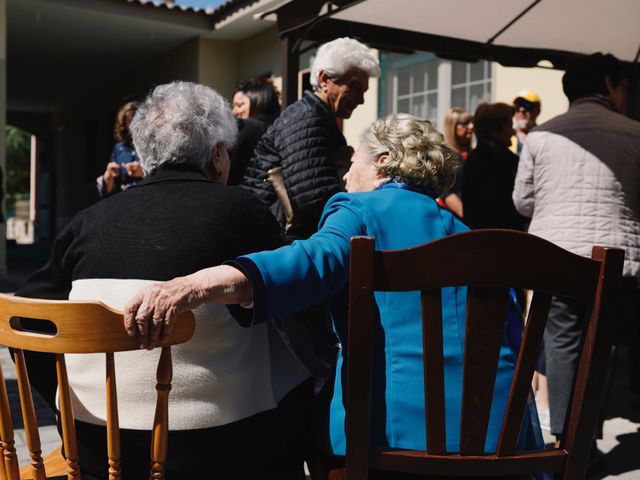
218 63
508 81
259 54
363 115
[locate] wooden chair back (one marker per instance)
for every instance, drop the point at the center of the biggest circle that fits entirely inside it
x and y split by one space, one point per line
488 262
81 327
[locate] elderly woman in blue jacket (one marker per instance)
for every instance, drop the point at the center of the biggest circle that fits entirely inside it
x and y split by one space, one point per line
400 167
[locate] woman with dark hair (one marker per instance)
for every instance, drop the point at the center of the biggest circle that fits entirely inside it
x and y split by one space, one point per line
123 169
255 106
489 173
256 98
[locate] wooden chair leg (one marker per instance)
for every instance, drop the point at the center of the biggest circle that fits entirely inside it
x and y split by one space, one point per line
54 464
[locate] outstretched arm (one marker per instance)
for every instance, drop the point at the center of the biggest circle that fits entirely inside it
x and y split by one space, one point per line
151 313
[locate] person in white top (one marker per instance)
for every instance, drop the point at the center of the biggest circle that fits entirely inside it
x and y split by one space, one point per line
579 181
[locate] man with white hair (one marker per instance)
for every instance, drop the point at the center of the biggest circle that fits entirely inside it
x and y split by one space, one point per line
305 145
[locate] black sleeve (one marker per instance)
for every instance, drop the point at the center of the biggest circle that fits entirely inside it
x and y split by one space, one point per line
264 158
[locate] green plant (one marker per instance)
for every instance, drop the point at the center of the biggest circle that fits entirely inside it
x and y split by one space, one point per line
18 145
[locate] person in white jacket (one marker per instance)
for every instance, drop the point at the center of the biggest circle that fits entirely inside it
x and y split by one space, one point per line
578 180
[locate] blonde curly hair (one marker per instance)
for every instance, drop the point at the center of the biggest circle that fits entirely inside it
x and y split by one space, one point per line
417 153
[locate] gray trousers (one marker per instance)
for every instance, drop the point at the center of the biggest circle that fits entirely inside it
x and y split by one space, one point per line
563 338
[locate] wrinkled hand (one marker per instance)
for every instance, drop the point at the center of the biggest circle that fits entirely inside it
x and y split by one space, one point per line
109 176
134 169
150 315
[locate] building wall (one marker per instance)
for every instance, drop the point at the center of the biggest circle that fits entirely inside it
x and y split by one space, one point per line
260 54
363 115
3 108
78 146
508 81
223 64
218 65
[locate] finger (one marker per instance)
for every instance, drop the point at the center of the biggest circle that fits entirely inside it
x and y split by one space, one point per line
130 311
169 324
143 317
155 329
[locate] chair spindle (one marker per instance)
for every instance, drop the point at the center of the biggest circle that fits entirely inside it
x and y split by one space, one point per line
521 387
69 439
486 314
433 365
113 423
29 417
7 442
160 438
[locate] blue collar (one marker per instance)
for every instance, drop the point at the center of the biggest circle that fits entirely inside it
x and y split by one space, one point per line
406 186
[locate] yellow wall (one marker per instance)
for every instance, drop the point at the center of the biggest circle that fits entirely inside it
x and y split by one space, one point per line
363 115
218 63
508 81
222 63
3 107
260 54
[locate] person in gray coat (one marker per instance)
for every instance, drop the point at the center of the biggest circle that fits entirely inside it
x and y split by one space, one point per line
579 181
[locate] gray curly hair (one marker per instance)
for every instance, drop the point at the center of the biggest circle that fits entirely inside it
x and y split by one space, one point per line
417 153
339 56
181 123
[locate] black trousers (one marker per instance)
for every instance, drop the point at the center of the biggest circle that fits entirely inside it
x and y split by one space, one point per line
563 338
268 445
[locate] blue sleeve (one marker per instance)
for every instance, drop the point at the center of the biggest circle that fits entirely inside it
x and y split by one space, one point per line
308 271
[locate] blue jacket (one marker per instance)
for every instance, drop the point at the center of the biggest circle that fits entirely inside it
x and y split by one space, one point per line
316 270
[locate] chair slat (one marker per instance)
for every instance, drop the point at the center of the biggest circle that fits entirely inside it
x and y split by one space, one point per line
113 424
594 360
29 417
359 351
7 441
502 257
69 439
160 436
433 364
521 385
486 315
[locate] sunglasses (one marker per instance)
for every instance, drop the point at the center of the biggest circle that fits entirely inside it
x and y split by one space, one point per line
527 106
464 122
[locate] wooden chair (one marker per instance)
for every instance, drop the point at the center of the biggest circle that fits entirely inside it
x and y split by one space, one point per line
82 327
488 262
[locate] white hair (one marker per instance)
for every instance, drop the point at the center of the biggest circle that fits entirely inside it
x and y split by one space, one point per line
417 154
339 56
181 123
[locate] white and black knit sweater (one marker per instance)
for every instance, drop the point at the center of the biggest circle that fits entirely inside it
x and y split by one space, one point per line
173 223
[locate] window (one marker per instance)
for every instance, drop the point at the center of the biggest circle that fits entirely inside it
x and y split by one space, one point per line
470 84
427 86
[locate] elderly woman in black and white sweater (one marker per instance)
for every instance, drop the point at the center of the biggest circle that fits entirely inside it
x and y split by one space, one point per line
238 394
